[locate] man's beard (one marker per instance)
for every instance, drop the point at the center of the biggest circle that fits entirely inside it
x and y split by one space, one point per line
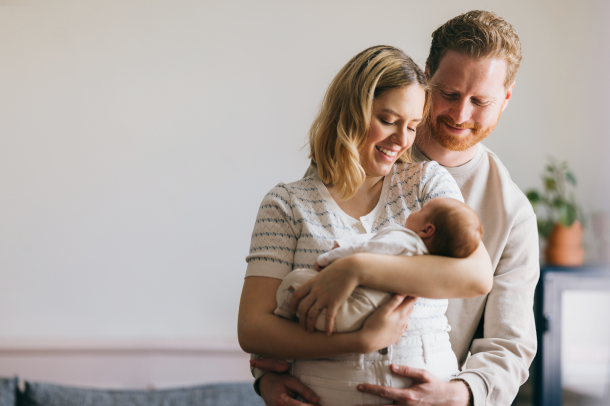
458 142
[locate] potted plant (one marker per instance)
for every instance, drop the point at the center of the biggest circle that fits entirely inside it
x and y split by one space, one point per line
561 220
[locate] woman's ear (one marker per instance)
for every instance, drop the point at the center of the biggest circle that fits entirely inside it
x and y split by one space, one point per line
427 231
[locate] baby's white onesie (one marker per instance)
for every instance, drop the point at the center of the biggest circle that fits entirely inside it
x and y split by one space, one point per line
424 345
391 240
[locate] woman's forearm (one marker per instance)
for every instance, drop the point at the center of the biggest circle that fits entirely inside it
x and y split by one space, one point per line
427 276
261 332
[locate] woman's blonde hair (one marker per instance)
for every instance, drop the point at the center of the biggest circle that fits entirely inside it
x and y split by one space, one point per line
342 124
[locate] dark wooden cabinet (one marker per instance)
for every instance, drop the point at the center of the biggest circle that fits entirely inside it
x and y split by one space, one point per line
572 310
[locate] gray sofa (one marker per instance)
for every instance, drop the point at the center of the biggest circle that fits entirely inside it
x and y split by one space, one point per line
45 394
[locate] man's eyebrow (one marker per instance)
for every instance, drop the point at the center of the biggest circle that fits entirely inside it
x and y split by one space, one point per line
451 89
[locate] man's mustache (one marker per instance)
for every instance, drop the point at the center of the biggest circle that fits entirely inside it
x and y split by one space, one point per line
449 121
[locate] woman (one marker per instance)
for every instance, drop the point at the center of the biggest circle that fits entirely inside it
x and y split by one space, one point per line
359 146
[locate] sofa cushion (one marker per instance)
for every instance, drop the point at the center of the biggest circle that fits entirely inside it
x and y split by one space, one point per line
8 391
230 394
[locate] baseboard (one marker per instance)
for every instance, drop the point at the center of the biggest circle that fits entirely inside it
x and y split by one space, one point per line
177 345
125 363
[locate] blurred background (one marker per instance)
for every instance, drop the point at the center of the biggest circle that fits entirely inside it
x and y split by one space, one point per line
137 139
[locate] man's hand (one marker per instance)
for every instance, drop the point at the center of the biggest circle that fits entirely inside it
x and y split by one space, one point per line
270 364
427 389
282 389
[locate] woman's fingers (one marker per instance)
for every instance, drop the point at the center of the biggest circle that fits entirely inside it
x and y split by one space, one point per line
407 304
331 314
405 309
304 309
392 304
312 316
299 294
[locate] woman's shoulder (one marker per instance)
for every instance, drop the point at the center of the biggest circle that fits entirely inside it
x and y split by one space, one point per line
423 170
424 167
303 190
429 177
411 172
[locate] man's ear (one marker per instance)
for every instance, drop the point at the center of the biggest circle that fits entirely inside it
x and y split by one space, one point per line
509 94
427 72
427 231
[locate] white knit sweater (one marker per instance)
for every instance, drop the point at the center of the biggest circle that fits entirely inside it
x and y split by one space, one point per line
298 221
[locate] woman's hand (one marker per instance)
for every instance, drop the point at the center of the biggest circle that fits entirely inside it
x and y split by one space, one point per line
328 290
388 323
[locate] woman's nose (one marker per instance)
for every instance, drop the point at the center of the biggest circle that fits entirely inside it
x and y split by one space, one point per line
401 136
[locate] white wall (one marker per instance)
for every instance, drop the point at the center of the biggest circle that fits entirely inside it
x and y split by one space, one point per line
137 139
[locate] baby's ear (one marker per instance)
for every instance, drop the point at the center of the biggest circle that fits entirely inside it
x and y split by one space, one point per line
427 231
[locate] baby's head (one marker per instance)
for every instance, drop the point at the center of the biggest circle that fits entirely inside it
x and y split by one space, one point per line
448 227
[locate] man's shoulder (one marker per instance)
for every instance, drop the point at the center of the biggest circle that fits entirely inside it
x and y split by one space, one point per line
500 182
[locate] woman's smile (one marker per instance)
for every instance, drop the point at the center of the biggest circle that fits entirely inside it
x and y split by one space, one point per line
386 152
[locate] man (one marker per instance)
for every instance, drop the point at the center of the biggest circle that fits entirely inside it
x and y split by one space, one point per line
471 72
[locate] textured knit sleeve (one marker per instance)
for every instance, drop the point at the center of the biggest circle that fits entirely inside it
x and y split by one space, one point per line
275 235
499 360
436 182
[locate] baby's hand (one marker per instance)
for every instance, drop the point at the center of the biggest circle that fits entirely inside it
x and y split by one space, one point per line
318 267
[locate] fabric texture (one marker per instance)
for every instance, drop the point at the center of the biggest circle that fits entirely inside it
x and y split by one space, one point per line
390 240
424 345
497 329
335 381
350 316
297 222
428 314
8 391
238 394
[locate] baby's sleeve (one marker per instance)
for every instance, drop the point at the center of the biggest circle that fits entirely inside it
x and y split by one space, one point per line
274 238
346 247
391 240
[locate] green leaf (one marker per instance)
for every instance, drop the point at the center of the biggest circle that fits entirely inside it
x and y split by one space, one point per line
533 196
550 184
545 227
567 214
571 178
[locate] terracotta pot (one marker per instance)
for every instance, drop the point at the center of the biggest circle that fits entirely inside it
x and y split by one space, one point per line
564 245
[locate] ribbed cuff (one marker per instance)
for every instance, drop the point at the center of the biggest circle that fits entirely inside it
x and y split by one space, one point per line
477 385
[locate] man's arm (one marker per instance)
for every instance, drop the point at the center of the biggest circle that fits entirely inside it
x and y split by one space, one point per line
499 361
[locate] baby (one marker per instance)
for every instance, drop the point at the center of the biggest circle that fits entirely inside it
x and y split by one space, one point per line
444 226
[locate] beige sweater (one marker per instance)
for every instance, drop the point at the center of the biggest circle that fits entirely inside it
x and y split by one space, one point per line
497 329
